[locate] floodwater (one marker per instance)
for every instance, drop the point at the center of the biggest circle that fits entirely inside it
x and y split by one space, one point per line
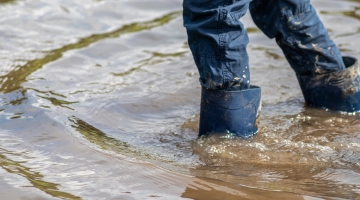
99 99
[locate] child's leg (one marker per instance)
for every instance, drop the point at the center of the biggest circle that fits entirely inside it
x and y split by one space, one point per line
326 79
218 42
299 33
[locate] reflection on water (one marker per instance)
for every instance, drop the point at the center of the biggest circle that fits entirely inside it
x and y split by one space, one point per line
35 178
124 92
13 80
155 58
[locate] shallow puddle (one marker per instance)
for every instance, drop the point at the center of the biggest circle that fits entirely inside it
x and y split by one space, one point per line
100 100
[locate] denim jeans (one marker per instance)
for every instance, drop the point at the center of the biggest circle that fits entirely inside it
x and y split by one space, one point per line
218 39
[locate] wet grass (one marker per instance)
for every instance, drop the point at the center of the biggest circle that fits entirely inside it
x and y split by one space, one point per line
35 178
13 80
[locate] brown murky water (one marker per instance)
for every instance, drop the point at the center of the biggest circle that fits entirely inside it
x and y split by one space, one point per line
100 100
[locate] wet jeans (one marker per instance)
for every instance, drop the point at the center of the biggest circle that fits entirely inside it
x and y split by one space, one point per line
218 39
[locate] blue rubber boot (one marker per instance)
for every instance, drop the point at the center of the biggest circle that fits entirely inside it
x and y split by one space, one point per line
234 111
337 91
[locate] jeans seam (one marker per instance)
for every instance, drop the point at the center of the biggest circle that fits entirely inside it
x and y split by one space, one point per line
289 32
222 43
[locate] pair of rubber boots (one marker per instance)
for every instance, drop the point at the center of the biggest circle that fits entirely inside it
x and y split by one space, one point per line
238 112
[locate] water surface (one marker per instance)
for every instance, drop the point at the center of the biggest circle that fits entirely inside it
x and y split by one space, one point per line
100 99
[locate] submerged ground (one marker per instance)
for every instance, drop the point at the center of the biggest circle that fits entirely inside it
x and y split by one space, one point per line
100 100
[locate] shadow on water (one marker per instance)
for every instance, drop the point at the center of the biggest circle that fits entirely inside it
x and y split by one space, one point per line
13 80
35 178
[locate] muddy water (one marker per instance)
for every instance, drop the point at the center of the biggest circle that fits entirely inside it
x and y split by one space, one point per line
100 100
